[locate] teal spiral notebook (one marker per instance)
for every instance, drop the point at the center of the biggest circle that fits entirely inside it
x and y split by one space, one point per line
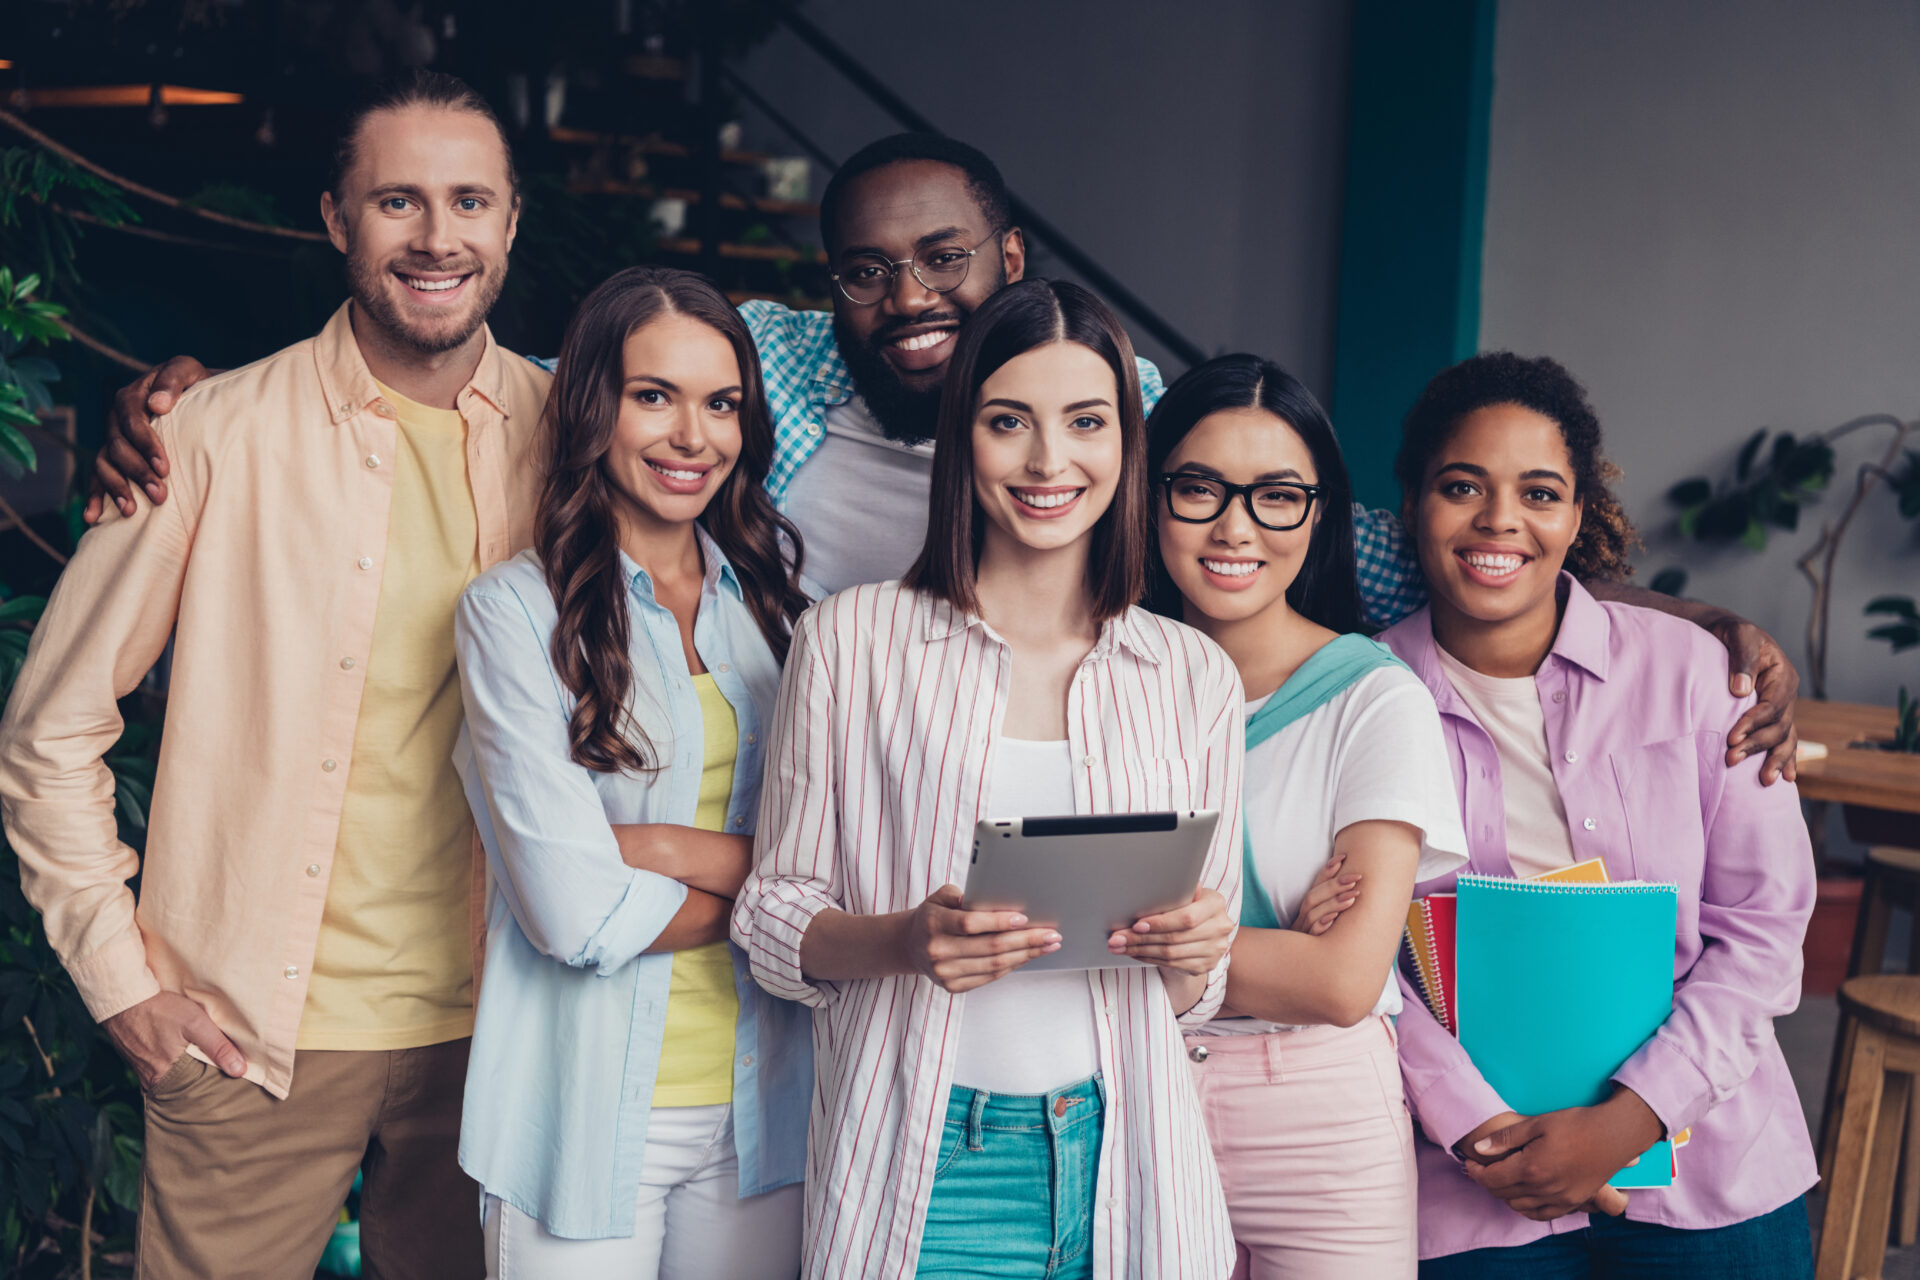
1558 985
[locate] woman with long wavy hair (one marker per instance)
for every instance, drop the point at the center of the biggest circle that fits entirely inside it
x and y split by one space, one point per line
635 1107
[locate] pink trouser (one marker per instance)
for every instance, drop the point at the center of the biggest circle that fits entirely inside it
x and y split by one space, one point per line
1315 1149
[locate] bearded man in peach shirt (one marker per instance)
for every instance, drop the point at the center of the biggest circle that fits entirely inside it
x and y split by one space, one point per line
309 879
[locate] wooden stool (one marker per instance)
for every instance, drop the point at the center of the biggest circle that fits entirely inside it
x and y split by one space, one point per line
1893 880
1883 1056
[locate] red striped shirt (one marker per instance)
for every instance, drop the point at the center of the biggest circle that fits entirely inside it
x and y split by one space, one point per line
890 711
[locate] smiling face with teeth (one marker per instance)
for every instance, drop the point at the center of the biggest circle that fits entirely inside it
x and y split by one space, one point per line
1232 569
425 216
898 349
1047 449
1495 518
677 435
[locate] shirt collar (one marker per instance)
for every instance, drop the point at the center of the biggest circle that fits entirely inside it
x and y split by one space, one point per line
348 384
831 376
1584 640
1135 630
719 570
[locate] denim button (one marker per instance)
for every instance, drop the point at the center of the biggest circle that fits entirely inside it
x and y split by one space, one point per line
1199 1053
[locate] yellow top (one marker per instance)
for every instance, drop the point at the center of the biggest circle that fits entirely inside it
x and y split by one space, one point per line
392 969
696 1056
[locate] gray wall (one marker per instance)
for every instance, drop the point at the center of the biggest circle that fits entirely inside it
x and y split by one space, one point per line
1711 212
1195 152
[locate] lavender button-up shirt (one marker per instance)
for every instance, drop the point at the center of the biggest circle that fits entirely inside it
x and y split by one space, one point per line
1637 712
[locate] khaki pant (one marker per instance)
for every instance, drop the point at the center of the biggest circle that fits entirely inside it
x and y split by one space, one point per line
239 1184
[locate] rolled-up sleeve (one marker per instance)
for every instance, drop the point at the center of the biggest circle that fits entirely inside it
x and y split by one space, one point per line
102 631
1756 896
551 846
796 872
1221 771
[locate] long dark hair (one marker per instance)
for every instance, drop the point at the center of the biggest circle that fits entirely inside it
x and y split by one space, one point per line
1607 537
1014 321
1327 589
576 532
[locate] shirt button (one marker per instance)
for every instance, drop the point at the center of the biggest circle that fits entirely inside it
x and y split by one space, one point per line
747 1061
752 738
346 664
313 870
328 765
293 971
373 461
1560 695
384 409
1086 674
1589 824
1113 1202
366 562
1572 756
1089 761
740 822
723 668
813 429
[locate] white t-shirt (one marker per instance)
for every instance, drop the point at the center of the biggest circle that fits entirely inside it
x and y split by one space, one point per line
860 502
1029 1032
1508 708
1375 752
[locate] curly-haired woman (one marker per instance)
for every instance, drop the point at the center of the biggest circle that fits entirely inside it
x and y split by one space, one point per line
1580 729
634 1106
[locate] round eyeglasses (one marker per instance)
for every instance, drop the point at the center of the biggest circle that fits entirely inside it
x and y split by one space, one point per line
866 278
1279 505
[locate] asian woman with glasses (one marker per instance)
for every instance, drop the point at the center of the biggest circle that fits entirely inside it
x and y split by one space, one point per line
1348 799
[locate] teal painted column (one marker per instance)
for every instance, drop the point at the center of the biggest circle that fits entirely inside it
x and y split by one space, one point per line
1409 301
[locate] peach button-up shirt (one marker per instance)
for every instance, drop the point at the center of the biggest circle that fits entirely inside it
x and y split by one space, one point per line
266 564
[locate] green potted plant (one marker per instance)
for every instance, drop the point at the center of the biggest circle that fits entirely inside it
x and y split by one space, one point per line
1775 476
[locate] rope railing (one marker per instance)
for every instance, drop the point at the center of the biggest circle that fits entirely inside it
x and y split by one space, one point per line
68 154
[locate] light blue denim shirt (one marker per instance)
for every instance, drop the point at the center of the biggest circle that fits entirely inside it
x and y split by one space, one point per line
571 1014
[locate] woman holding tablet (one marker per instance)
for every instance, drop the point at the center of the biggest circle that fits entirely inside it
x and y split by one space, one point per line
972 1120
1348 799
634 1107
1583 729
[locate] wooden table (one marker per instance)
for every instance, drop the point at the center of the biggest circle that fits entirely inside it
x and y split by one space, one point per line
1885 780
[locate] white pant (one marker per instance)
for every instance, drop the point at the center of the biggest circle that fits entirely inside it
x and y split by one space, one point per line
689 1222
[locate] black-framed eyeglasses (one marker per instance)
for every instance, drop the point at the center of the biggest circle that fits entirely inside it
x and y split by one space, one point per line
866 278
1279 505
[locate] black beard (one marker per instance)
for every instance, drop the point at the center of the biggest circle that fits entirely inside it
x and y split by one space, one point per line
905 416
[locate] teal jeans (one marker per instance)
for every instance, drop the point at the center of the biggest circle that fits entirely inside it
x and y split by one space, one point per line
1013 1189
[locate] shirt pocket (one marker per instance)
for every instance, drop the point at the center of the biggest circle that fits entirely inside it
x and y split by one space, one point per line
1659 794
1173 782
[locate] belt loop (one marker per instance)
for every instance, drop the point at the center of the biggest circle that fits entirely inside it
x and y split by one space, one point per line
1276 1072
974 1115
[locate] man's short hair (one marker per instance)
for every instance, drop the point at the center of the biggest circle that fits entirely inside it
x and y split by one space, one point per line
416 88
983 178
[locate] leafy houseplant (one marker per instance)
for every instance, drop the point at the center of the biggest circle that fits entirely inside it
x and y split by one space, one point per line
1772 483
70 1121
1902 633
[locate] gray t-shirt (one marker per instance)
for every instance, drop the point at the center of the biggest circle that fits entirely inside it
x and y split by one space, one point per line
860 502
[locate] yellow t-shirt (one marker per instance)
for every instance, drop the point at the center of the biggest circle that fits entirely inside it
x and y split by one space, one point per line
696 1056
393 969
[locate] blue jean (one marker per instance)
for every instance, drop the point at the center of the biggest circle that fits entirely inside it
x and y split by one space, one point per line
1014 1186
1773 1246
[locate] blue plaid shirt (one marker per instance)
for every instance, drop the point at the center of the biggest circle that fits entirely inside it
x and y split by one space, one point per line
804 374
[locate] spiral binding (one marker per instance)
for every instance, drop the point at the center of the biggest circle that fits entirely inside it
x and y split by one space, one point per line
1538 886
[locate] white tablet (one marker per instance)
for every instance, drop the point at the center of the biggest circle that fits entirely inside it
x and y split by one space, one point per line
1088 876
